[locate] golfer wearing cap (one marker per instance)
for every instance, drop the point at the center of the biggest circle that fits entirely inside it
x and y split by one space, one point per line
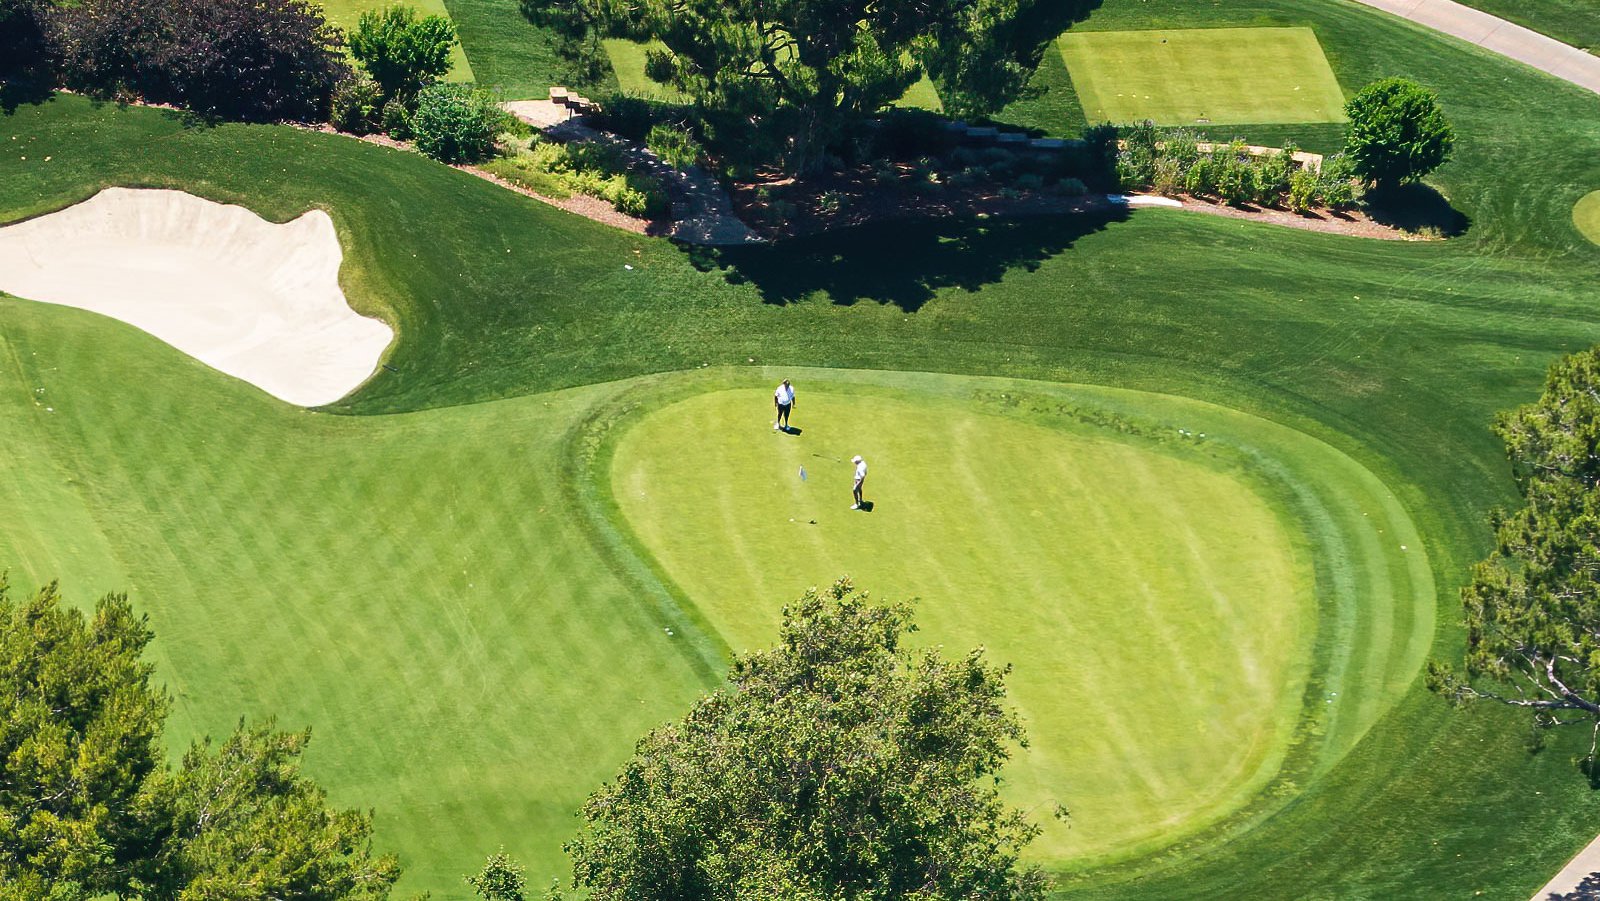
783 399
861 477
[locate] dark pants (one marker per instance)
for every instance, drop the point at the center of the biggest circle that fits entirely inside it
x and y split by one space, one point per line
783 414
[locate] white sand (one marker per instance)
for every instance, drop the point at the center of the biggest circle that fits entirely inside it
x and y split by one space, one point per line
257 301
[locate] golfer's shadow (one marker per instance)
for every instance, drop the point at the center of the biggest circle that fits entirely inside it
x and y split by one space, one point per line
866 506
791 430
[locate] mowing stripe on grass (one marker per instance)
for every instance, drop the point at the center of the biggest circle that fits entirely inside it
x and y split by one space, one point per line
1203 76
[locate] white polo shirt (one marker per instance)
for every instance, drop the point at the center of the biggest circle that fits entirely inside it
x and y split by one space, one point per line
784 395
861 470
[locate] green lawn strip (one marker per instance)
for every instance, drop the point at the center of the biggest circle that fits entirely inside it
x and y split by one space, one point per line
511 54
1586 216
416 589
1575 22
1043 579
346 13
922 95
1203 76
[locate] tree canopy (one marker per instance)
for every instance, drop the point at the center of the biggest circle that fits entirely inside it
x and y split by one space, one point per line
1397 133
90 807
785 80
1533 607
840 764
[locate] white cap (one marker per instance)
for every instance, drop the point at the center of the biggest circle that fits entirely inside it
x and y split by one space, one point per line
856 459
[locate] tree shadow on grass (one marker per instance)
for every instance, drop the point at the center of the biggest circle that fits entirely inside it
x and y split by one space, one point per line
902 263
1418 209
15 92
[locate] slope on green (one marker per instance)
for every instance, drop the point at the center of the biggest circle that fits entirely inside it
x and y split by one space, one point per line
1157 596
1586 215
1203 76
346 13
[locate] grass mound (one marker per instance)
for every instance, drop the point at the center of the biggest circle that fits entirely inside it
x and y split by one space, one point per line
1586 216
1158 596
1203 76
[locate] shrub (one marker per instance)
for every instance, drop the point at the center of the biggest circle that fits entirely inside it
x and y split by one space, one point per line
1072 187
906 133
455 123
357 105
630 117
675 145
403 53
1397 133
1304 191
256 60
1336 188
26 46
585 168
1273 174
396 120
832 203
1028 182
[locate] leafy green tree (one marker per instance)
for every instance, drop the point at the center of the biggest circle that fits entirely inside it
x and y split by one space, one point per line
840 764
1397 133
89 808
79 724
788 80
501 879
1533 607
243 823
403 53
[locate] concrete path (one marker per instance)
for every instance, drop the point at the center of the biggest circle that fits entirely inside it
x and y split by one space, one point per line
1573 874
1491 33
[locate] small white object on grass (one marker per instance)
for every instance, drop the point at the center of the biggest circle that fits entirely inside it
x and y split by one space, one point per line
627 266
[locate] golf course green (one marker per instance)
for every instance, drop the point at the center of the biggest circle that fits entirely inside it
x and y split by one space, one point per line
1586 216
1093 546
543 525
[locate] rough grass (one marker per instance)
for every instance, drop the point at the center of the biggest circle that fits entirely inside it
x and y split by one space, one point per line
346 13
1223 76
628 60
1099 554
1576 22
1398 355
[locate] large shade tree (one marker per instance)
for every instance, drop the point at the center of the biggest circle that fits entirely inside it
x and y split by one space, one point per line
1533 607
787 79
90 807
841 764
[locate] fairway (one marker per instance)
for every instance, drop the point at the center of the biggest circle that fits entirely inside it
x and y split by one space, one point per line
1091 562
1219 76
1586 216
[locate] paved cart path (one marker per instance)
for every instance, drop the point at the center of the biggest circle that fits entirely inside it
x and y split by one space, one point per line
1505 38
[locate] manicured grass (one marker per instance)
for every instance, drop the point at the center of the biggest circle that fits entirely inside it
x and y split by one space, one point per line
1586 216
628 60
346 13
1398 355
509 53
1096 558
922 95
1576 22
1203 76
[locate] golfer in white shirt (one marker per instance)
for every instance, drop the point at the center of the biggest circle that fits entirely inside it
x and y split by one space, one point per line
783 399
861 478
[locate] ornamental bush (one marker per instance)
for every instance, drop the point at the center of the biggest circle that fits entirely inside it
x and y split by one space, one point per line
456 123
255 60
402 52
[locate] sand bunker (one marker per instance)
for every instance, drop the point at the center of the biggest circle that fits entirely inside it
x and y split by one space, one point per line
257 301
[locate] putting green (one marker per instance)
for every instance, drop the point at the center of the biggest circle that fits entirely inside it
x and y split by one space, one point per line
1220 76
1586 216
1158 595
